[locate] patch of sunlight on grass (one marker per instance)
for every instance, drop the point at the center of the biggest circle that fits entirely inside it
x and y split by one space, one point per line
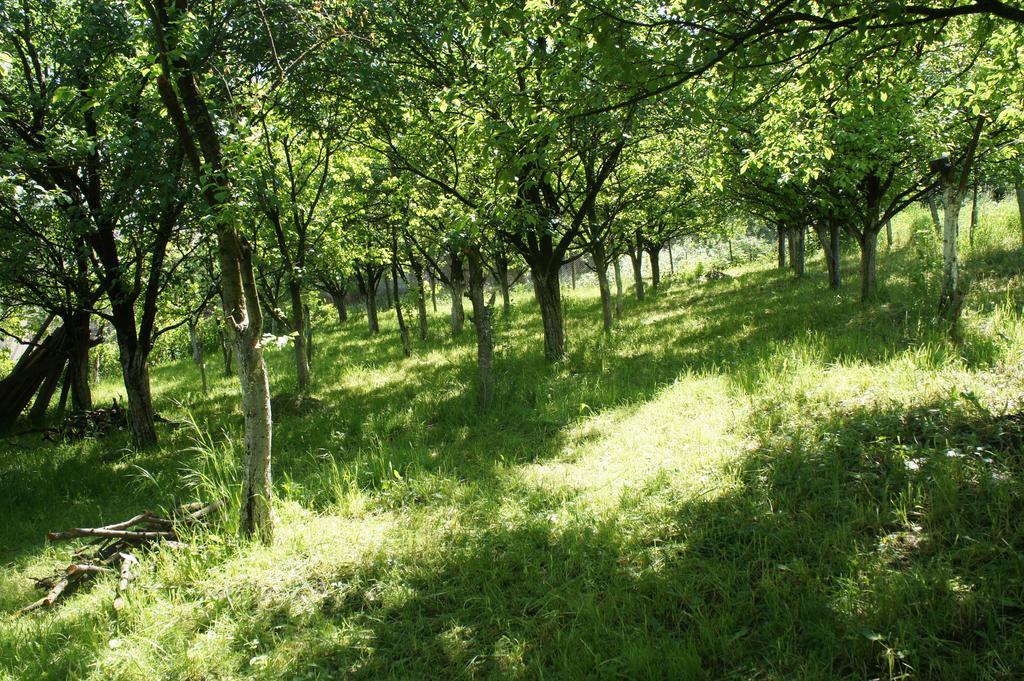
688 430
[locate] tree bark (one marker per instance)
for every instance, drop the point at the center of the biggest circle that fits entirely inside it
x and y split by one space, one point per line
547 288
671 261
974 214
934 208
456 288
298 324
339 305
141 422
403 330
421 291
482 325
798 250
950 254
618 286
1019 190
654 254
781 235
868 260
828 239
601 265
78 362
638 275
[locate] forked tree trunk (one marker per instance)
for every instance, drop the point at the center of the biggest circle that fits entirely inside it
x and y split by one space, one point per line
298 323
547 288
617 266
484 335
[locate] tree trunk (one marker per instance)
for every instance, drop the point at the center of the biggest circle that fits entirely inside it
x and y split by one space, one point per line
671 261
403 330
387 294
868 258
298 323
548 290
618 286
78 362
828 239
506 297
636 257
1019 190
421 291
798 250
654 253
198 356
370 293
433 293
482 325
227 351
457 288
339 305
888 235
601 265
934 208
974 214
781 234
141 422
950 255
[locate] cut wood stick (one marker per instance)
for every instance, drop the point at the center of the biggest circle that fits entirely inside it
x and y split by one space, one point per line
128 561
104 532
86 568
49 598
206 510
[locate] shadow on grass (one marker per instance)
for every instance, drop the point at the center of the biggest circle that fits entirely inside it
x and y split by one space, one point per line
857 546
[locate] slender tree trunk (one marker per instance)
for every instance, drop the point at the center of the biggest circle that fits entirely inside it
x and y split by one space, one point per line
387 294
421 292
547 288
198 356
433 293
506 297
974 214
298 323
933 206
618 286
1019 190
671 261
781 234
831 263
868 260
950 255
888 235
339 305
654 254
402 328
601 266
310 349
636 257
457 288
370 293
482 325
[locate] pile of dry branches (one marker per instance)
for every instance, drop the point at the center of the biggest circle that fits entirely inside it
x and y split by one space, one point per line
112 550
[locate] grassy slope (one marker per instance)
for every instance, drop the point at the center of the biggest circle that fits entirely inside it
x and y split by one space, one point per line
752 478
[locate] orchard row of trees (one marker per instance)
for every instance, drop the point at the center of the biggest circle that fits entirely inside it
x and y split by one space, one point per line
160 155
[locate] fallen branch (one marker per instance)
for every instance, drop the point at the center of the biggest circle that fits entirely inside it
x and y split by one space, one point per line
111 550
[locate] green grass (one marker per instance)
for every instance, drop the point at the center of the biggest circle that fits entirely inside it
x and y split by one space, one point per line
751 478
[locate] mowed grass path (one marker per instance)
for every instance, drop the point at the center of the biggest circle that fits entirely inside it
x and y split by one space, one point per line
751 478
